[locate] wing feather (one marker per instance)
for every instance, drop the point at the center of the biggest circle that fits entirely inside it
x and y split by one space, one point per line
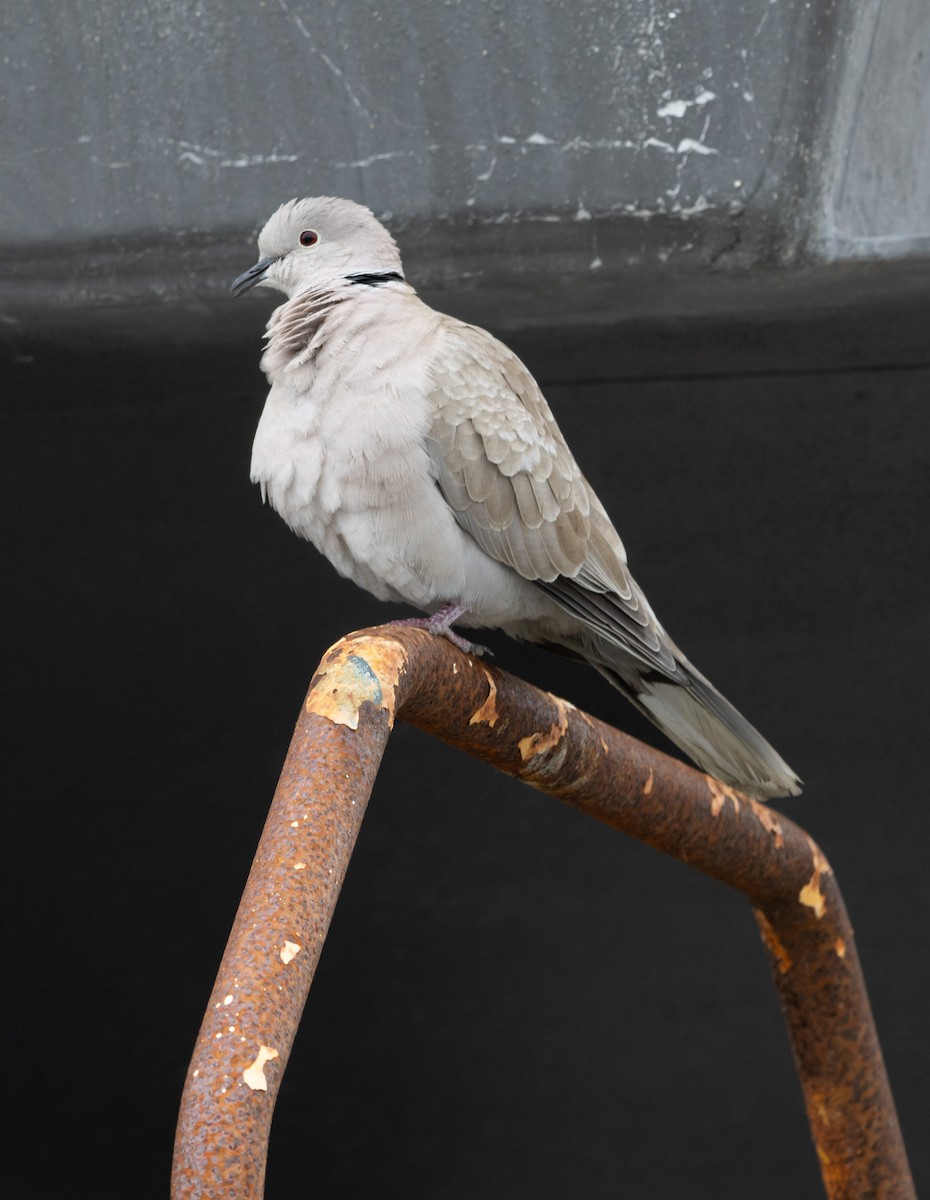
506 471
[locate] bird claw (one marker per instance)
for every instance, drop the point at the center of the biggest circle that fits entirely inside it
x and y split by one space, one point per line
440 624
464 645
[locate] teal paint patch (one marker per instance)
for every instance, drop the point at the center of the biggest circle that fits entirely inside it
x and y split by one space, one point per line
366 679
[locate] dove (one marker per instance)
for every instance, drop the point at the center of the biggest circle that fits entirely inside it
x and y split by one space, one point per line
418 454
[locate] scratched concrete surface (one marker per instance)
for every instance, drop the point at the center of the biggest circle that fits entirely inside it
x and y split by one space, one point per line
143 144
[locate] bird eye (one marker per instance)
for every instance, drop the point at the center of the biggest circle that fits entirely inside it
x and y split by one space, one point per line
309 238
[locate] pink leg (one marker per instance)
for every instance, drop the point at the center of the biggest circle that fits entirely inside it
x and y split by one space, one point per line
441 622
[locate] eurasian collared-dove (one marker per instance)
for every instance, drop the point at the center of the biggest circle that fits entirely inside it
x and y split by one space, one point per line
419 455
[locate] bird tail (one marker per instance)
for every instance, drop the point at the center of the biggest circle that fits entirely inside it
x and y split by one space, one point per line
706 726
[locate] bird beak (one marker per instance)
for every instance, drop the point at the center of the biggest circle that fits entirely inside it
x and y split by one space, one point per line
253 275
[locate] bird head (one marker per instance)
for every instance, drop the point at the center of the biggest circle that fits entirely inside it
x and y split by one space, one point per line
314 243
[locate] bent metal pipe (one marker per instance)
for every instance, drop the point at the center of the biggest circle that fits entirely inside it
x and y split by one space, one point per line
363 684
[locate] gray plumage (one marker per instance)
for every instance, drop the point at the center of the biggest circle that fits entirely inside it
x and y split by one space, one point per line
420 456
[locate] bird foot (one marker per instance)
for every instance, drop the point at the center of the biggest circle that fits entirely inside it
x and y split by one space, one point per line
440 624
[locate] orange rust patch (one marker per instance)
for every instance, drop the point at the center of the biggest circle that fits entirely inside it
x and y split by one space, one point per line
544 740
254 1075
647 786
840 947
720 793
487 713
774 943
768 821
810 894
356 670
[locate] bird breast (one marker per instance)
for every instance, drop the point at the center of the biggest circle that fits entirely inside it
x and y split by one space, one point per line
340 450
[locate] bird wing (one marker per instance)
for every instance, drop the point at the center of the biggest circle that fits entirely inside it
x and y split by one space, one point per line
506 471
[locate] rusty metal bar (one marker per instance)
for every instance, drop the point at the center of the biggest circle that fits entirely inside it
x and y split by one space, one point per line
363 683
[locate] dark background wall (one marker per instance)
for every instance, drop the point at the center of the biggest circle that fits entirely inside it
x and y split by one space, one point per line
513 1001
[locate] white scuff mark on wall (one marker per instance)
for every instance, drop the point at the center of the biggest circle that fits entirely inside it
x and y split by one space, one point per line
386 156
571 144
486 175
651 48
112 166
577 144
641 214
202 156
748 91
764 19
667 147
192 152
678 108
697 145
700 205
674 108
690 146
257 160
580 143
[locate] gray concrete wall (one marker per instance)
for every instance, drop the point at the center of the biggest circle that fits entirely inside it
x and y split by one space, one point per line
874 166
144 144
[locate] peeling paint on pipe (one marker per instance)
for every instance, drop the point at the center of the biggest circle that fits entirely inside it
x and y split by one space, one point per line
362 683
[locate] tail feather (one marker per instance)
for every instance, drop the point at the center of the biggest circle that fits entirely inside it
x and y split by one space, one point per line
706 726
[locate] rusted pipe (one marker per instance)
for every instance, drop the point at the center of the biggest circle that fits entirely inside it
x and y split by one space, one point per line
363 683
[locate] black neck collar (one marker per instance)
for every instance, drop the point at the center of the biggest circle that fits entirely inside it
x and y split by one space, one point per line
375 278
